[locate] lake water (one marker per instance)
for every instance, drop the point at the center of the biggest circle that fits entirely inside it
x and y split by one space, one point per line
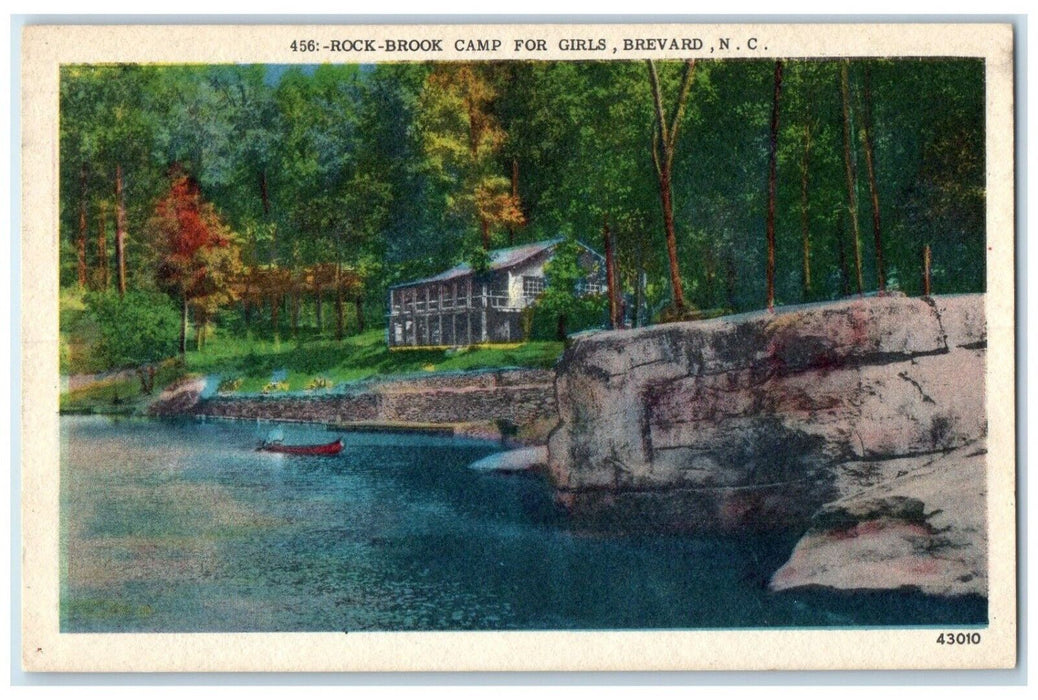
184 527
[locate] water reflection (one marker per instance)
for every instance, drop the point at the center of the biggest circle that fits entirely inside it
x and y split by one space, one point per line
185 527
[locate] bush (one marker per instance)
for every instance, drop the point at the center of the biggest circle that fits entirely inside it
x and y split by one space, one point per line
581 314
229 386
319 383
138 330
559 311
135 330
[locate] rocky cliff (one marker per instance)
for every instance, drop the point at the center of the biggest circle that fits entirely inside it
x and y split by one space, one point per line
857 418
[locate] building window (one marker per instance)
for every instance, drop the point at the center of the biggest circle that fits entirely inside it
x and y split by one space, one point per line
590 285
532 286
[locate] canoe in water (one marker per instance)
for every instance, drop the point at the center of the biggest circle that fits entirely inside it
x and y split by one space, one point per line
332 448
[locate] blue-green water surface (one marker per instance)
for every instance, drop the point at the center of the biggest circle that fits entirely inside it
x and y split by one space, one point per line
184 527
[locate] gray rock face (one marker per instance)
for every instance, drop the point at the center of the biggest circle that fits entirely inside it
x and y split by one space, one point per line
918 521
178 398
744 421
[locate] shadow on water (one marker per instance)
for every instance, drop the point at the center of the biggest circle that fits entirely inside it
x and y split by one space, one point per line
900 608
184 527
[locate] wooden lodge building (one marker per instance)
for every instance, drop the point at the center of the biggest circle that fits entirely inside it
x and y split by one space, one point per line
459 307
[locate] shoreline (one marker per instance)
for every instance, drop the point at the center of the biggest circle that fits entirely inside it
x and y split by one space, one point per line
465 431
515 406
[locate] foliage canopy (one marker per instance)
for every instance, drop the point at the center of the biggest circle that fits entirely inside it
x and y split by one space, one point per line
333 182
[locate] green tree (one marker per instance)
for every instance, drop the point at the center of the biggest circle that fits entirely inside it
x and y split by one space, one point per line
579 130
463 139
616 193
560 309
108 122
721 217
851 171
361 176
773 183
136 331
929 135
79 97
247 100
334 207
664 143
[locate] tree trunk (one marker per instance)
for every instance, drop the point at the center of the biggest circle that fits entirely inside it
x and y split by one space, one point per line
294 299
672 245
102 248
515 197
639 288
81 267
340 320
663 142
852 196
183 324
199 332
358 305
841 255
560 327
120 230
340 324
484 230
275 311
805 232
320 310
610 275
729 281
710 281
866 139
926 270
264 193
475 129
147 376
772 183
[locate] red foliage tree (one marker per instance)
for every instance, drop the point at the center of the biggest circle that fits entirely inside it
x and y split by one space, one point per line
198 257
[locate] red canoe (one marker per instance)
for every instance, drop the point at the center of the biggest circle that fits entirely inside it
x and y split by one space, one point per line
332 448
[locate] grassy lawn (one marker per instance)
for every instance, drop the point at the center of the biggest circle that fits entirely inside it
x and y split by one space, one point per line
256 363
250 363
117 395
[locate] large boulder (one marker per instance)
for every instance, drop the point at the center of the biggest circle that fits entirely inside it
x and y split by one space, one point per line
178 398
917 521
741 422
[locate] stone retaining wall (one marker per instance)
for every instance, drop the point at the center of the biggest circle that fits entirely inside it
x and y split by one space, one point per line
520 396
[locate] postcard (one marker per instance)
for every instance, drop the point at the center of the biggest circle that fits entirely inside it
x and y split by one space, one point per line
522 347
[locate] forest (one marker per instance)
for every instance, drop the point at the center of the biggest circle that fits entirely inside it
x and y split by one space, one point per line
273 200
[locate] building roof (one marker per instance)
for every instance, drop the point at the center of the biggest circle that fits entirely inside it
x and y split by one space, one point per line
500 259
